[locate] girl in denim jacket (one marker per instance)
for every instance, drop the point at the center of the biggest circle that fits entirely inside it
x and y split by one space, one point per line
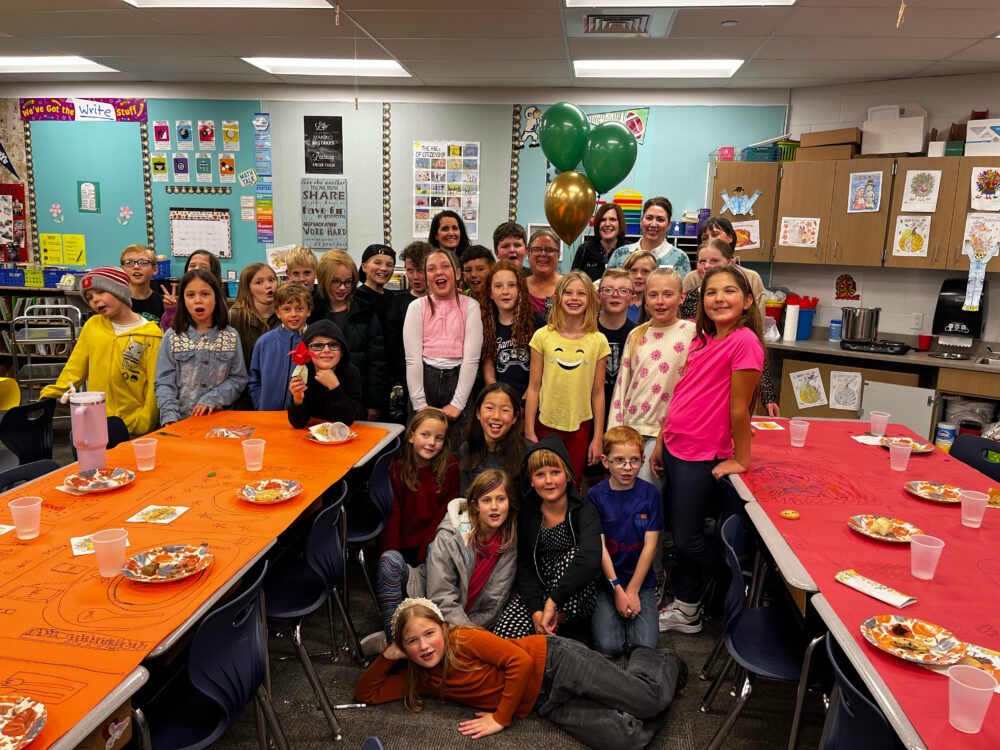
200 368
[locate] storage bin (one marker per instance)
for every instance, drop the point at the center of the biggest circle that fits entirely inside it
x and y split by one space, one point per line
760 153
162 269
787 149
52 276
14 277
804 329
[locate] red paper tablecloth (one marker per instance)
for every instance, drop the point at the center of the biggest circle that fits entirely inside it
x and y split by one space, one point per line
834 477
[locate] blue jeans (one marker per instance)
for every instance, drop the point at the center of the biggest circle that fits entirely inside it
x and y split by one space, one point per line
694 495
602 705
614 634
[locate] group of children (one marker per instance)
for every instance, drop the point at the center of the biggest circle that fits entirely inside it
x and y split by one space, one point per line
507 412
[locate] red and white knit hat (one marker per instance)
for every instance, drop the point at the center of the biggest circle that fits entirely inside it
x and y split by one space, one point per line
108 279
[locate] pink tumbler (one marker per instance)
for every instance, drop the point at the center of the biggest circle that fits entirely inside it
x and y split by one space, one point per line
90 429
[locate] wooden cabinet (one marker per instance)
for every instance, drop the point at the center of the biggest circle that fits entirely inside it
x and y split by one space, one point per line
937 243
790 407
747 177
805 192
962 208
857 239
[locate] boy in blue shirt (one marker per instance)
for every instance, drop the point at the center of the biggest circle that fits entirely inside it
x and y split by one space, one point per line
270 366
631 513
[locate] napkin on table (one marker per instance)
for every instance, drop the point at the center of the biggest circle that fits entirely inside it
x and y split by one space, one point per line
874 589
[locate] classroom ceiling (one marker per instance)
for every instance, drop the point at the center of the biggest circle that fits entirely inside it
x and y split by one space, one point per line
509 43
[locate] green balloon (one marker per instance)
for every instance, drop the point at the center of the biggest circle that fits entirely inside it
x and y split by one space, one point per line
563 135
610 155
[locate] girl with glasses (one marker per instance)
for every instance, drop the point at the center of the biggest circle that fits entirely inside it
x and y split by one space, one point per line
331 390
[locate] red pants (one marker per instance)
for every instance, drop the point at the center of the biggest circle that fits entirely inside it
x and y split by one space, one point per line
576 444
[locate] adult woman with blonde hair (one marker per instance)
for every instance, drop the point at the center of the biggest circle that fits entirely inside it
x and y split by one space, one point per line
336 301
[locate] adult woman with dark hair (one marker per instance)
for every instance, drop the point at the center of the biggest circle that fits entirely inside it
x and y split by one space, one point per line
543 259
656 213
448 232
609 234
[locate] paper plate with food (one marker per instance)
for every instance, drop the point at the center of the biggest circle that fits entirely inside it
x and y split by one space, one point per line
21 719
913 640
883 528
916 445
169 562
99 480
994 501
269 491
936 492
331 433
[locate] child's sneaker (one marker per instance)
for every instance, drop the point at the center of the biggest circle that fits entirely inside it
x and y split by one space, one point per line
673 617
374 644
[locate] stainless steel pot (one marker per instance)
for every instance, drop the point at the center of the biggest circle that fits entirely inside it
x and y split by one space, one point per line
860 323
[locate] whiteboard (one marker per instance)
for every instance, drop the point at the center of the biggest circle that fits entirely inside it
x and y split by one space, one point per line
193 229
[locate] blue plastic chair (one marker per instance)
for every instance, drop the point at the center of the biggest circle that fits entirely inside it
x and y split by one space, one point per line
27 430
117 433
26 473
853 721
226 668
763 641
373 743
299 585
971 450
366 521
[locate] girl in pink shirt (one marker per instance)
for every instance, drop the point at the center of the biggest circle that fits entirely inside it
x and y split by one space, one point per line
707 432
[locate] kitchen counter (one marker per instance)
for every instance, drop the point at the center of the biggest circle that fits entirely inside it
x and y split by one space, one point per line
913 358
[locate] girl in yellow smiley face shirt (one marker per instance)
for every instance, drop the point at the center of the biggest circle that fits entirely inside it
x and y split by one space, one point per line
565 392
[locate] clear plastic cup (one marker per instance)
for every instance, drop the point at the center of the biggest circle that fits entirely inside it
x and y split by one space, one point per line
973 508
27 513
145 453
253 454
109 549
880 420
925 551
899 454
970 691
797 430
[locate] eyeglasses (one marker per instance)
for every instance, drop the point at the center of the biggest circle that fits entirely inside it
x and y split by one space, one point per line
620 463
341 284
333 346
543 251
609 292
143 263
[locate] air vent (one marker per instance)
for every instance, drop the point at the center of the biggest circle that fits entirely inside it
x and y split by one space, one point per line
632 24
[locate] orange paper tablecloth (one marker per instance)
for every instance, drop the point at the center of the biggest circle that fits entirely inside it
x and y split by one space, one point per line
67 636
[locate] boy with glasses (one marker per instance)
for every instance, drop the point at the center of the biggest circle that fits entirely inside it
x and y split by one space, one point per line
332 389
631 512
139 262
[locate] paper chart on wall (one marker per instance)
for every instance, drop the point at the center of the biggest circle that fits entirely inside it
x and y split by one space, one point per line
161 135
185 135
798 232
865 192
981 242
445 176
747 235
807 385
911 237
985 189
920 190
200 229
845 390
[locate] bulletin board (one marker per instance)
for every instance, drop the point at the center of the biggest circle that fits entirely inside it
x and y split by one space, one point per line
108 154
211 196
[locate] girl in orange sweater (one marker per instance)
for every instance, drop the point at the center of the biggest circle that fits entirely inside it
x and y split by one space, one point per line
576 688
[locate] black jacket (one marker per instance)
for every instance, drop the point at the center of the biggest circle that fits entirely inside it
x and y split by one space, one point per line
343 403
584 522
590 258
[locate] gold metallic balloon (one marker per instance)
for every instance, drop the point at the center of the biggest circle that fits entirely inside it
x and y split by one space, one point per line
569 204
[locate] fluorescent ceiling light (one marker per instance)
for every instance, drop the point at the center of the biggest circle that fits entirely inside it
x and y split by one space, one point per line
52 64
280 4
656 68
309 66
693 4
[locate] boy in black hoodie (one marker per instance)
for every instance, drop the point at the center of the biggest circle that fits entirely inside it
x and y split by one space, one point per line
332 391
558 548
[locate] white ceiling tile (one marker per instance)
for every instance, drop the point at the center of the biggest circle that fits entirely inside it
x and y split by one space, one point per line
292 46
958 67
516 69
921 22
179 64
124 46
706 22
262 22
351 6
463 48
987 50
833 69
853 48
670 49
499 22
11 46
83 23
452 82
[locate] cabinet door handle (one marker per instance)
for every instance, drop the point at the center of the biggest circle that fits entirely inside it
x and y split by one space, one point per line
934 260
836 249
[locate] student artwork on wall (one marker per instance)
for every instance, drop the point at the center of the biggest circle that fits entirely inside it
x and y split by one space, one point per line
200 229
865 192
445 176
206 135
981 243
985 189
807 385
797 231
912 233
161 135
920 190
323 139
185 135
747 235
12 223
845 390
182 168
324 212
